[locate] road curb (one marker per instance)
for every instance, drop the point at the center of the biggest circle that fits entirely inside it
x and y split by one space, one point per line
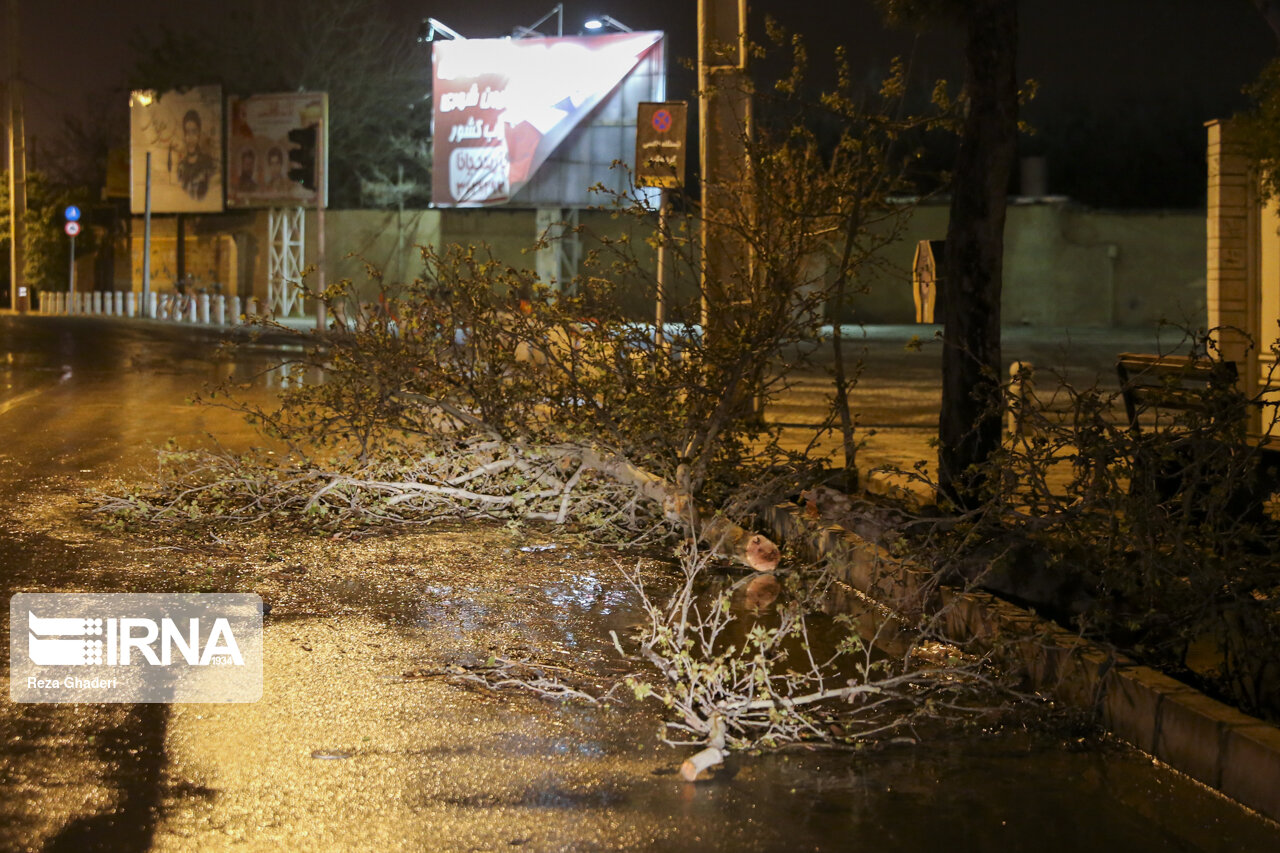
1213 743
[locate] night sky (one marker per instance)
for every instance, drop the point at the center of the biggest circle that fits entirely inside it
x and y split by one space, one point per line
1117 78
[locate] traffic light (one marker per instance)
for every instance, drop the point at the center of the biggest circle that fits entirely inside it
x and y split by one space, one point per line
302 156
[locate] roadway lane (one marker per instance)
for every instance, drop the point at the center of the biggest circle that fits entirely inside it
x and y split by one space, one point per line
345 752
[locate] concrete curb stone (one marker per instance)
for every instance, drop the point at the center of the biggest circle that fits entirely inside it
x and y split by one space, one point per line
1213 743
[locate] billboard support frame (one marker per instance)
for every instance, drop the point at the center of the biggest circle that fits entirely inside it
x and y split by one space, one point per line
285 258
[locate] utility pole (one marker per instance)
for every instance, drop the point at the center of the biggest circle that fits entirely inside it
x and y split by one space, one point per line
322 200
724 107
17 171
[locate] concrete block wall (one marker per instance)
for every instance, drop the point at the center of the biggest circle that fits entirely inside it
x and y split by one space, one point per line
1230 220
1064 266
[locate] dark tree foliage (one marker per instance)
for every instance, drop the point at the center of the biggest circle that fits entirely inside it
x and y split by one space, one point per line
375 73
48 251
1259 127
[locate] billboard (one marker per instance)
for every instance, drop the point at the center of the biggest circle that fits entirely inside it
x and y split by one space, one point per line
268 136
183 133
506 110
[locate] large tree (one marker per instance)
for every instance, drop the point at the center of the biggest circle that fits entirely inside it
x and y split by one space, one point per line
970 421
376 75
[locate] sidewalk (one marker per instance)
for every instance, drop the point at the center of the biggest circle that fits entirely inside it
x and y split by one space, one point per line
898 395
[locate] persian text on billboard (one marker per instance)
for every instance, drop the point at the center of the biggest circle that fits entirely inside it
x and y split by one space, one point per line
502 106
258 147
183 133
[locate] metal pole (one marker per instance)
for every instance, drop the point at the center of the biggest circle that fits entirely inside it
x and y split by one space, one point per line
72 277
322 197
660 315
17 167
146 244
400 224
724 107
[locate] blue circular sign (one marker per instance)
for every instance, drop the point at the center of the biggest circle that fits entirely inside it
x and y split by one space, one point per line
662 121
72 213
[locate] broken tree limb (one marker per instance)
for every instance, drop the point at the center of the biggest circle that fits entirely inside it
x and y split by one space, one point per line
724 537
696 764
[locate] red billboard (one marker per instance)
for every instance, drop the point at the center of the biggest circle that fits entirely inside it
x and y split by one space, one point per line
501 107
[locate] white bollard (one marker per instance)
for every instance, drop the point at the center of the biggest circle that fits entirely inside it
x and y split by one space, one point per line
118 298
192 309
130 304
204 308
235 310
220 310
108 304
165 307
250 307
152 307
97 302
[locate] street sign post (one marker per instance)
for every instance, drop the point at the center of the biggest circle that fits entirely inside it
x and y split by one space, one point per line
660 143
660 158
72 228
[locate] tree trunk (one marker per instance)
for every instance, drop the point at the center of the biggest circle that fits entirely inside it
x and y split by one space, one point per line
970 421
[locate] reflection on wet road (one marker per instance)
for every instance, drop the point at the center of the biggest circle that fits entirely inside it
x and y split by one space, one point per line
346 752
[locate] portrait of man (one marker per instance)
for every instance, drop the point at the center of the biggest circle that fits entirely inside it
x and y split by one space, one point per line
245 181
196 168
275 181
176 138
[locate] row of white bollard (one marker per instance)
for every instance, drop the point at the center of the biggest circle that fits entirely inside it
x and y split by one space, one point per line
202 308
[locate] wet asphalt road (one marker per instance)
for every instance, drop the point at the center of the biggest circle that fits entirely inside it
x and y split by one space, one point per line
346 752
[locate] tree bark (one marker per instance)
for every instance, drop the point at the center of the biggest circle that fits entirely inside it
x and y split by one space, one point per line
970 420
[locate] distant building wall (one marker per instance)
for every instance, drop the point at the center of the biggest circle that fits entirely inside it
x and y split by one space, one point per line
1065 266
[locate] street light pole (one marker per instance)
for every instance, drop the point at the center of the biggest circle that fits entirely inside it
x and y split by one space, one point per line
17 167
724 107
146 242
